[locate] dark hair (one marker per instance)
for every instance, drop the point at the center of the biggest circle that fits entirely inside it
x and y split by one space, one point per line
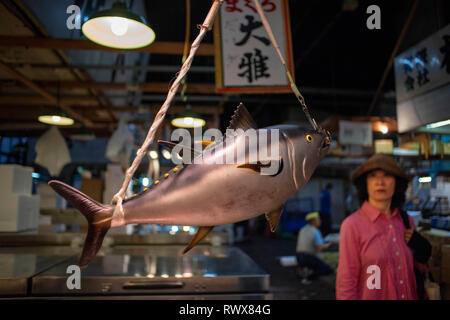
398 199
329 186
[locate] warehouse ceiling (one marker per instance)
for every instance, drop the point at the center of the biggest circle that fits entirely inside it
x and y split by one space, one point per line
338 64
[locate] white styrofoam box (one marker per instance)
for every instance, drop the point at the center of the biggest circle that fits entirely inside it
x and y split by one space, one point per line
47 194
15 179
49 198
19 212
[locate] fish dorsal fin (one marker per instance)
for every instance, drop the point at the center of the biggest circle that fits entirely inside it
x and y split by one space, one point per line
242 119
273 218
257 166
201 233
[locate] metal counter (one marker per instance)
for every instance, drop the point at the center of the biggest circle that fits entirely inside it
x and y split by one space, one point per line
67 239
155 272
19 267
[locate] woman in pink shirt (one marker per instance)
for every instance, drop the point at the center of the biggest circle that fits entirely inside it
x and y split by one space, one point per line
375 262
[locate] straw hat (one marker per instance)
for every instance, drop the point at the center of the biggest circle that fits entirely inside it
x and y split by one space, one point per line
379 161
312 215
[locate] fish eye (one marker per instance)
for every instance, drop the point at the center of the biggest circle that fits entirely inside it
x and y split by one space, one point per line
309 138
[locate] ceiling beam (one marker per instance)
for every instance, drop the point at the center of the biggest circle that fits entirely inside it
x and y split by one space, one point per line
28 18
42 92
158 47
149 68
31 110
38 100
34 125
159 87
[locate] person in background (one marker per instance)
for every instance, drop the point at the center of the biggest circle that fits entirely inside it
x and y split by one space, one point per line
309 244
375 262
351 202
325 209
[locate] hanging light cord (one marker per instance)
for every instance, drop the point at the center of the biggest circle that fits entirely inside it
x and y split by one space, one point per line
294 88
118 215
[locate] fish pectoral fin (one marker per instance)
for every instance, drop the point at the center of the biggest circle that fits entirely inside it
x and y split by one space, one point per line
258 165
201 233
274 217
253 166
206 143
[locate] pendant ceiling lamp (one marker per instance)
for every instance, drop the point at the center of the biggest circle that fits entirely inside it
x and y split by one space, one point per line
188 119
118 28
57 117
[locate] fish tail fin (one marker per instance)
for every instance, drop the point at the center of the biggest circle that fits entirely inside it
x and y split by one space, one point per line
98 216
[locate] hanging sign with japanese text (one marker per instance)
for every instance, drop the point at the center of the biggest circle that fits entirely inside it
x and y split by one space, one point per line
355 133
246 61
424 67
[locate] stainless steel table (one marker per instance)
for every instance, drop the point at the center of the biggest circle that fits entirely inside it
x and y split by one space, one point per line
158 272
18 267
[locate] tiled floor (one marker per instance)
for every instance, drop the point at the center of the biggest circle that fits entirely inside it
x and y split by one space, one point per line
284 282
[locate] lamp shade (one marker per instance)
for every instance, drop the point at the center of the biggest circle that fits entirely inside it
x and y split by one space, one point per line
118 28
56 119
188 119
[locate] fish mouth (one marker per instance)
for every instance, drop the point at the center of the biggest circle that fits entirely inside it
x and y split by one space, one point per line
326 142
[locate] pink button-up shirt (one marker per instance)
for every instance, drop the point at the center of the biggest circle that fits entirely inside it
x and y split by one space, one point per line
368 238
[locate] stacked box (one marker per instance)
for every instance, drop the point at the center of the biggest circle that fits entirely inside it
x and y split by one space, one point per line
48 196
114 177
16 179
113 182
19 209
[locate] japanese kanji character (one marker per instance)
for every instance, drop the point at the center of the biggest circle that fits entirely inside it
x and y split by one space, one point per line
408 65
248 29
445 49
421 60
422 54
422 77
409 83
254 66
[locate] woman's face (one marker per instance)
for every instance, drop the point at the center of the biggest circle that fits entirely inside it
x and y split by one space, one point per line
380 185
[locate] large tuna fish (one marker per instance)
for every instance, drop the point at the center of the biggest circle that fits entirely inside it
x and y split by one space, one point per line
210 194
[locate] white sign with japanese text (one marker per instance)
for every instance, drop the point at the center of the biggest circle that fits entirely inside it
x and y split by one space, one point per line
246 58
423 67
356 133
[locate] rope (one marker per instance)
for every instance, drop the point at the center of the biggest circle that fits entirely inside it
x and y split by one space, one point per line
118 215
294 88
